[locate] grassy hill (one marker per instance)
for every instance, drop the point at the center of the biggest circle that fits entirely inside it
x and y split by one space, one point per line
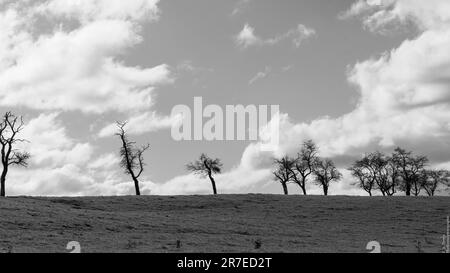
225 223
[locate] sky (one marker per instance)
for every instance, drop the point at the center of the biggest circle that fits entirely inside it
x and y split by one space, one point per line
355 76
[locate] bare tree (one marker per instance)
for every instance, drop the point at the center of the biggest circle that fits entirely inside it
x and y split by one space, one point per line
388 176
410 168
366 171
206 167
326 172
304 164
132 160
10 127
433 179
283 172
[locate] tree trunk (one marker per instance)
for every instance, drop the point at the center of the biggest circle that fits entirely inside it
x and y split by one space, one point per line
3 182
2 190
302 186
136 186
325 190
285 188
213 183
304 190
408 189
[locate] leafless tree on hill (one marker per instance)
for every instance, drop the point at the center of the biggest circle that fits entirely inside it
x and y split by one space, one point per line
283 172
410 168
206 167
10 127
433 179
304 164
325 173
132 160
366 171
388 176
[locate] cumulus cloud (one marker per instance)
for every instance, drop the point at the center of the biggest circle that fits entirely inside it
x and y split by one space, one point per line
60 165
142 123
56 164
404 96
50 145
78 67
63 55
87 10
247 38
253 166
377 15
71 180
105 161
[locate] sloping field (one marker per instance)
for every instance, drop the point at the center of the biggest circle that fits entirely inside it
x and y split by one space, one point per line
225 223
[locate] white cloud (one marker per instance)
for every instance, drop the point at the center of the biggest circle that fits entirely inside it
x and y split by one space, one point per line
404 96
240 6
67 180
105 161
50 145
57 163
404 99
300 34
60 165
253 174
88 10
66 55
260 75
252 167
378 15
247 38
142 123
78 68
71 180
360 7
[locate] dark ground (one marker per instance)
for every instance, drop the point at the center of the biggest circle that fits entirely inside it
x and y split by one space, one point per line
225 223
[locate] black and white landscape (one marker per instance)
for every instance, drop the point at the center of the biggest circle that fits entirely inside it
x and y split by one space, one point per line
224 126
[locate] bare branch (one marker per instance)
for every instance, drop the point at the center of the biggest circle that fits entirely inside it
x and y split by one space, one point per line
20 159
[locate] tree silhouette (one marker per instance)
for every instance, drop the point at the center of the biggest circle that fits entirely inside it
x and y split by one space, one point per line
365 170
374 171
325 173
283 172
10 127
132 160
206 167
304 164
410 168
433 179
388 175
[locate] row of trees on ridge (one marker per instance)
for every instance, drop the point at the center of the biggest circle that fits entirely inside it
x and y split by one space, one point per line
402 171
